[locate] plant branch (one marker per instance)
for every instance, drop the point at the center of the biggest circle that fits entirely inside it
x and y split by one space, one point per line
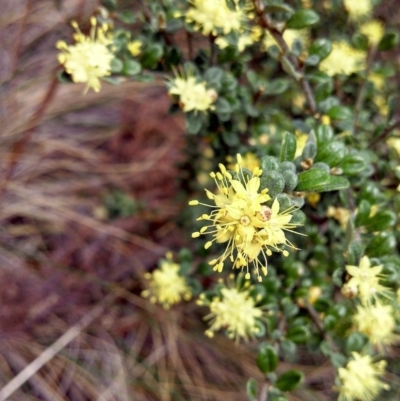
385 132
320 326
265 22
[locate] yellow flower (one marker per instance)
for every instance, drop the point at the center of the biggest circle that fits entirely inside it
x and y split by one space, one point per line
373 30
361 379
214 16
89 59
165 285
249 161
365 280
340 214
241 218
358 9
394 143
378 323
135 47
235 310
193 95
343 59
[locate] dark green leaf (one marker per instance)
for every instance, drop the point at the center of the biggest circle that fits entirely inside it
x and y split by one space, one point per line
298 334
352 164
289 68
267 358
331 153
151 55
381 221
340 113
363 212
334 184
288 147
392 103
214 77
289 380
131 67
278 8
360 41
252 389
311 179
381 244
389 41
302 19
312 60
194 122
321 48
355 342
276 87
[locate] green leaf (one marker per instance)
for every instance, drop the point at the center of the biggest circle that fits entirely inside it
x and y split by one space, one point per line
289 68
331 153
392 103
381 244
276 87
278 8
274 181
298 334
128 17
312 60
269 163
222 106
334 183
252 389
352 164
355 342
389 41
116 65
311 179
151 55
360 41
194 122
324 134
267 358
321 48
381 221
288 147
363 212
214 77
289 380
131 67
302 19
340 113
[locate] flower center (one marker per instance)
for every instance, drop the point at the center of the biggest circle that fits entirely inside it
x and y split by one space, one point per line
265 213
245 220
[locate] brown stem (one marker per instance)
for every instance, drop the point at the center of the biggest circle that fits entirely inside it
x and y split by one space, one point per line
385 133
265 22
320 326
264 393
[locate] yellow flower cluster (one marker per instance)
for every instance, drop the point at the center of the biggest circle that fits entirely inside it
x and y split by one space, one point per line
165 285
365 281
378 323
361 379
193 95
214 16
241 219
89 59
358 9
373 318
373 30
234 310
343 59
